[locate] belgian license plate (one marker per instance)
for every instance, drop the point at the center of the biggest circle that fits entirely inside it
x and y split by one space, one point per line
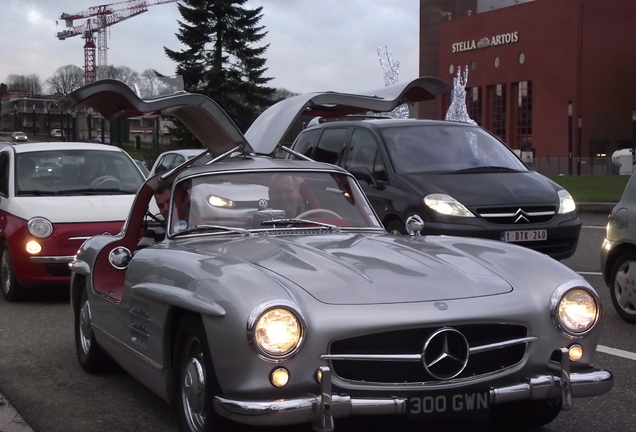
524 236
448 404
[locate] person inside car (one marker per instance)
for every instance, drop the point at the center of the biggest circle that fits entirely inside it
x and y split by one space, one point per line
284 194
157 233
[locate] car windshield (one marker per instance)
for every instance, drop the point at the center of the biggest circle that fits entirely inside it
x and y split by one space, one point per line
58 172
268 200
434 148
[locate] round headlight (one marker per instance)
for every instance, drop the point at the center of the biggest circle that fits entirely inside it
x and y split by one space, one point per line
577 311
277 332
40 227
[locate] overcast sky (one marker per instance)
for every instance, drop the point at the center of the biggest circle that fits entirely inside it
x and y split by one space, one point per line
314 45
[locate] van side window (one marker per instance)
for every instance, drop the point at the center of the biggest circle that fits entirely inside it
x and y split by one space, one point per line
306 143
364 151
331 146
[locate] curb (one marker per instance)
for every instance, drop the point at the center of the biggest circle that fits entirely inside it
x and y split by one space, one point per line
595 207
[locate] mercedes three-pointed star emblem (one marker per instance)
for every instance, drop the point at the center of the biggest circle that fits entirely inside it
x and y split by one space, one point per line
445 354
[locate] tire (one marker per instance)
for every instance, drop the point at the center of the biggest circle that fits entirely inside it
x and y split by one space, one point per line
623 286
526 415
195 383
11 289
396 228
90 356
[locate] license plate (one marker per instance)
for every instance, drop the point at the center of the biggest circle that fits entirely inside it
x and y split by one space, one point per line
448 404
524 236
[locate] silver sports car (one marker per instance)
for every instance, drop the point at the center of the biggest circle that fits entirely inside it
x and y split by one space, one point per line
276 297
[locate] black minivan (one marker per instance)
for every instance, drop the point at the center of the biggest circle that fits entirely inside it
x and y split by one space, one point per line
458 177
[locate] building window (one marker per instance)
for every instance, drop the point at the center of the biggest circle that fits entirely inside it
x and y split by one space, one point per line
499 110
524 115
474 104
522 58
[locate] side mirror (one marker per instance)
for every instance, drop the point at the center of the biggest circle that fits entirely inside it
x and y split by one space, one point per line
362 173
414 224
120 257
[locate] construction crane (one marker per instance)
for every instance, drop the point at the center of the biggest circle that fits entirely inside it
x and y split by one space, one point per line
98 18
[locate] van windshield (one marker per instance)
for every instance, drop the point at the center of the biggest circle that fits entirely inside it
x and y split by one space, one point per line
452 148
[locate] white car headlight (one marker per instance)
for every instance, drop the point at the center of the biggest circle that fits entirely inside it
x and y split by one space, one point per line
566 202
40 227
575 310
446 204
277 332
217 201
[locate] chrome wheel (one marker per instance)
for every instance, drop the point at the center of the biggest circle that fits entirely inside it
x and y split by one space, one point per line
85 331
623 287
193 384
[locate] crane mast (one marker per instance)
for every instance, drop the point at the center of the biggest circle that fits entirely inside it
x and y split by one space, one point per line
98 19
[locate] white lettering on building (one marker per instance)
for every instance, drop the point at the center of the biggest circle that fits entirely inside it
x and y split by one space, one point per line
502 39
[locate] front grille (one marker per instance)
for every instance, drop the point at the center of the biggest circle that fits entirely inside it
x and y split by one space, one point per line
517 215
62 270
487 342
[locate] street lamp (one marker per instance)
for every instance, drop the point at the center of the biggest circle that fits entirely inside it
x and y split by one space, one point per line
33 119
570 137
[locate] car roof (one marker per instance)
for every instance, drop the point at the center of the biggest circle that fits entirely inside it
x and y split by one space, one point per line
389 123
212 126
45 146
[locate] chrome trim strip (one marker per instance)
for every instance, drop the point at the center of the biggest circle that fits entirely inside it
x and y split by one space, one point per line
307 409
418 357
52 259
84 238
501 215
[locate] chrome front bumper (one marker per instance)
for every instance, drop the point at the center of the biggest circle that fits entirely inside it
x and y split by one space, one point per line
52 259
323 408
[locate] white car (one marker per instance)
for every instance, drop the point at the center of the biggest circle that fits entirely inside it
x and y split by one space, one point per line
55 196
173 158
19 137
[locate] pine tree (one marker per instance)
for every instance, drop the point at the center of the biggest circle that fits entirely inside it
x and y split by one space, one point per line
220 60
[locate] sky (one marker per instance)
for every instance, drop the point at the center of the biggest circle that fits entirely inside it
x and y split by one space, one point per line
314 45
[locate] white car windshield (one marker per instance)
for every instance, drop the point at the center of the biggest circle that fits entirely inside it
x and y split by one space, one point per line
268 200
57 172
431 148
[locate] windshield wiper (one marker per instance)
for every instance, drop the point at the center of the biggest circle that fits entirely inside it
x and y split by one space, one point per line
35 192
97 191
295 221
487 168
209 228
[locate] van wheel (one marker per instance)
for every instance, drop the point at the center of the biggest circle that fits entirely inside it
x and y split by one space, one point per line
396 228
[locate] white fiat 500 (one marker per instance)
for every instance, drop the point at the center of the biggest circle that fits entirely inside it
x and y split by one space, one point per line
53 196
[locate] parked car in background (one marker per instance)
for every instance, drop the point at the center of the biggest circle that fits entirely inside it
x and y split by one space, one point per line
459 178
298 307
57 133
142 167
19 137
53 197
173 158
618 254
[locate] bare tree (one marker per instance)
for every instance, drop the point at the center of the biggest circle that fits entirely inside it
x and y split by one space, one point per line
24 83
123 74
66 79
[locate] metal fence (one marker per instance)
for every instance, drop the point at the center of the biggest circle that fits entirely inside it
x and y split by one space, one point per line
576 166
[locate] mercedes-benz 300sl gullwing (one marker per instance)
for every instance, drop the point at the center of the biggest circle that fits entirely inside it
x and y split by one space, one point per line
276 297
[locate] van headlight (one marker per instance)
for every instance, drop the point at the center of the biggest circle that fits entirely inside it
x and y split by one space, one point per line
566 202
575 309
447 205
276 332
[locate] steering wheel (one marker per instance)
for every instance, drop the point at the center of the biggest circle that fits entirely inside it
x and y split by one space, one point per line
100 181
314 212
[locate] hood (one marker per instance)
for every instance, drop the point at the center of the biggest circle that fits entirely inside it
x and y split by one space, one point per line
104 208
369 269
200 114
487 189
275 123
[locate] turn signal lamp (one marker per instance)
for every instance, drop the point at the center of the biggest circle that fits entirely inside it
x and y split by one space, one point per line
279 377
575 352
